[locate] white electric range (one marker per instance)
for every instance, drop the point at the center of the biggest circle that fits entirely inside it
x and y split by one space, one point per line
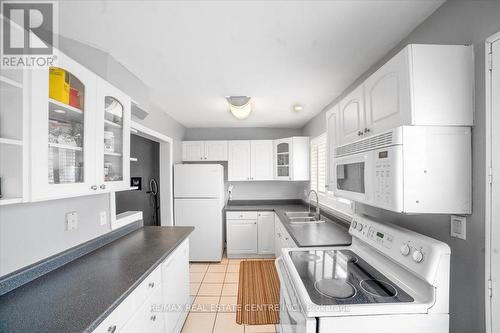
389 280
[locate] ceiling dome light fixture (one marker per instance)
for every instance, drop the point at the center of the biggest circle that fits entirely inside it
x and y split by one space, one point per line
239 106
297 107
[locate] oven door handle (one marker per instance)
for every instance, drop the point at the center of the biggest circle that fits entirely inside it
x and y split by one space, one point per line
280 267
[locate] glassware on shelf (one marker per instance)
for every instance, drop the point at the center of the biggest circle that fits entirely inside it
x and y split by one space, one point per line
66 127
65 166
109 141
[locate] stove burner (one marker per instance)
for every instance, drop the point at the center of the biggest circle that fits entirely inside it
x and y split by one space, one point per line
335 288
378 288
309 257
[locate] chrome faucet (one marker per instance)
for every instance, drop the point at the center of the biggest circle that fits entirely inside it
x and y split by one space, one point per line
317 216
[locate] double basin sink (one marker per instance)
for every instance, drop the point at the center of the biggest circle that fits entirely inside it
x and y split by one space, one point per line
302 217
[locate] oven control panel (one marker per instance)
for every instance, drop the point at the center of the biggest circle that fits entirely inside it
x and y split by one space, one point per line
414 251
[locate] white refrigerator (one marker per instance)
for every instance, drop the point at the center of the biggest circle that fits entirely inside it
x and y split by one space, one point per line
198 202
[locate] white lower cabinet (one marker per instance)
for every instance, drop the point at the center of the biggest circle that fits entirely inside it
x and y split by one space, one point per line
175 277
159 303
282 238
250 233
265 232
242 236
149 317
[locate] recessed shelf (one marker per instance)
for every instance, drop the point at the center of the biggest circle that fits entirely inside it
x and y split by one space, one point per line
10 201
57 145
112 153
133 188
11 142
11 82
133 159
112 124
284 153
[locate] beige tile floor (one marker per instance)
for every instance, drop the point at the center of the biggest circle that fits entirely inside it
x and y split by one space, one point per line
214 288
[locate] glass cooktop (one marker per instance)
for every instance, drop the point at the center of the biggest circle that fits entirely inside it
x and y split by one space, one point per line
335 277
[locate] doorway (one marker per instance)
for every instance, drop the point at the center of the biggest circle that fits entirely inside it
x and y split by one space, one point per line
165 186
493 183
145 169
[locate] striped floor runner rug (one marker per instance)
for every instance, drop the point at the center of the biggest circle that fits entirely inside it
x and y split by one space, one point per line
258 293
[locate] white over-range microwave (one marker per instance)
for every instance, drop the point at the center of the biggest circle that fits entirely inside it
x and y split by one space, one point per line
410 169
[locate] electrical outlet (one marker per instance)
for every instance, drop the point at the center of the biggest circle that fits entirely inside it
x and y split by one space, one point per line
458 226
103 218
71 221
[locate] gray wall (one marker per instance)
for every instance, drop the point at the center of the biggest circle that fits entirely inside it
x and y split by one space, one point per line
34 231
456 22
243 133
253 190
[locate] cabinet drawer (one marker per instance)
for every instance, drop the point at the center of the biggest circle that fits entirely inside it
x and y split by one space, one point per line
149 317
150 284
241 215
126 309
262 214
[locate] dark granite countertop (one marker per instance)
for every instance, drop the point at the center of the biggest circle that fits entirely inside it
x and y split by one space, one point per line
79 295
331 233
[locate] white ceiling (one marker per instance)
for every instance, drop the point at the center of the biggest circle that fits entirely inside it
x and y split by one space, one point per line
193 53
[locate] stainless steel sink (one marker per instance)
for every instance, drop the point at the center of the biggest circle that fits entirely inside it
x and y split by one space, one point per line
302 217
292 215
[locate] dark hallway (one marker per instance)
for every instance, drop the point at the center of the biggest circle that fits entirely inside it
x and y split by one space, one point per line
146 167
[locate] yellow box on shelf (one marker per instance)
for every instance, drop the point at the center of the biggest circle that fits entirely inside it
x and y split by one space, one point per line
59 85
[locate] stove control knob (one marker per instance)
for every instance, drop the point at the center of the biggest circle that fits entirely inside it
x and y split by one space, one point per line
354 223
418 256
359 227
404 249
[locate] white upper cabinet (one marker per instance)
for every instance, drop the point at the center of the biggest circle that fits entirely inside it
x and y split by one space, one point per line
261 160
291 158
215 150
250 160
193 150
388 95
204 151
421 85
79 133
239 160
112 137
63 157
352 115
333 137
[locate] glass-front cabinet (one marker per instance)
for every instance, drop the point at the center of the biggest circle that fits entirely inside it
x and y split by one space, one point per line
70 129
113 141
282 150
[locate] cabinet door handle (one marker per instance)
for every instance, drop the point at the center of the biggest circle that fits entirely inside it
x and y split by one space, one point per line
102 187
360 133
153 317
112 329
151 284
93 187
367 130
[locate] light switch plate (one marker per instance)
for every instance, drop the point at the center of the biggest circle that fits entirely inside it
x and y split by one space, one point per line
103 216
458 226
71 221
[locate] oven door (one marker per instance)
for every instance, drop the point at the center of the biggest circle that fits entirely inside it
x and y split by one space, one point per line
292 319
352 177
